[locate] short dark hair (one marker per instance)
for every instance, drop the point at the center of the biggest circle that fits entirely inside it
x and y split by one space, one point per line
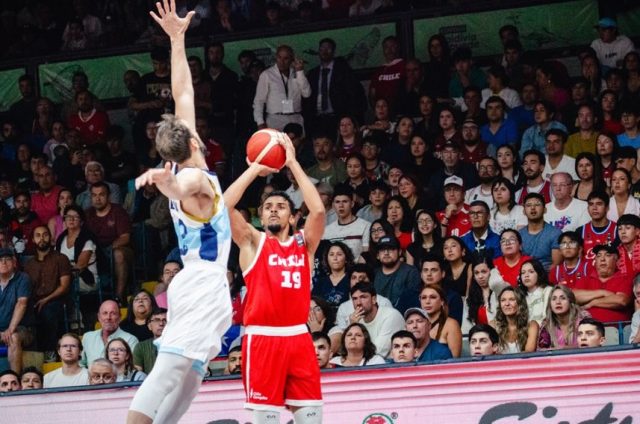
156 311
461 53
330 41
26 77
321 335
77 209
364 288
280 193
33 370
9 372
248 54
591 321
485 328
558 132
496 99
407 334
571 235
481 203
514 231
432 257
343 190
536 153
534 195
599 194
101 184
362 268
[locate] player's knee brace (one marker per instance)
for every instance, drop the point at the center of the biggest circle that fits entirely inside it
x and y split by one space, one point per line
266 417
308 415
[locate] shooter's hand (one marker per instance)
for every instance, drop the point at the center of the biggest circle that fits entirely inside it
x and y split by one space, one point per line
169 20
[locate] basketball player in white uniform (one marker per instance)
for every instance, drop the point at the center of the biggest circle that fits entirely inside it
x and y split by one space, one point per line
198 298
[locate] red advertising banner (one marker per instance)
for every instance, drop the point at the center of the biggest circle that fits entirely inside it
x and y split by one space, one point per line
588 388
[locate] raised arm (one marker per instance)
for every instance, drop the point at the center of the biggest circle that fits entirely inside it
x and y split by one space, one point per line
314 225
242 232
181 85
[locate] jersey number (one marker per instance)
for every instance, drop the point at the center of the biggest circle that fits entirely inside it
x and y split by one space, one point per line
288 277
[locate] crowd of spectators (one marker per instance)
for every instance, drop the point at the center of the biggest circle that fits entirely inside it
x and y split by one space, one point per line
35 27
502 204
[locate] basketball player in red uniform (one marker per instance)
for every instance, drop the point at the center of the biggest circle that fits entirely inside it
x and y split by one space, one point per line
279 365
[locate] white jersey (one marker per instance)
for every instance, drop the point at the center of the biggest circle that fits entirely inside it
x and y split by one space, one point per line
199 240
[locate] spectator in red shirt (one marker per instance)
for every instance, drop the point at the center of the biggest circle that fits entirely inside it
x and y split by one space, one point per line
512 258
89 122
574 265
455 217
110 224
607 293
44 202
215 156
22 224
387 82
629 249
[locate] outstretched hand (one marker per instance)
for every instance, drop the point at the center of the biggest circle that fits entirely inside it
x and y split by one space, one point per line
159 176
169 20
289 148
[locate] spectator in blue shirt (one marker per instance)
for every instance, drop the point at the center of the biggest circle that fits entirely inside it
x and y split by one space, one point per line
523 114
630 118
418 323
539 239
534 137
15 315
481 239
499 130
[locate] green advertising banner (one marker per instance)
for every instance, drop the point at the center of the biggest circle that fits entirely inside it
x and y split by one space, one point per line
9 91
105 75
360 46
629 22
541 27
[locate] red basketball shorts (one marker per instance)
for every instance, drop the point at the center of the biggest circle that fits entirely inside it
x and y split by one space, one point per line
280 370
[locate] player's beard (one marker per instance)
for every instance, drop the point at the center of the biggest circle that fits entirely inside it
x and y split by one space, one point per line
274 228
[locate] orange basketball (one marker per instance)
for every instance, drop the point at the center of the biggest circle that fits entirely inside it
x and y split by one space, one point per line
266 140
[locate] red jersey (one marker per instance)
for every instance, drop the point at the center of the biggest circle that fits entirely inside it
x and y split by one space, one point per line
545 191
388 80
459 223
618 283
560 274
278 283
510 274
91 129
591 238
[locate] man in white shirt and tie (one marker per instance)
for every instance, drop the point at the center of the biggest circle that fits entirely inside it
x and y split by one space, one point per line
281 89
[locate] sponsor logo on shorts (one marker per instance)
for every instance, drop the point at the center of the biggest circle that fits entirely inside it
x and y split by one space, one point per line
257 395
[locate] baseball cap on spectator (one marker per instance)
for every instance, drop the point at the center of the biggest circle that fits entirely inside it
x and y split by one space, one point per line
626 152
378 185
388 241
450 144
629 219
470 121
6 251
605 247
418 311
606 23
454 180
325 188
